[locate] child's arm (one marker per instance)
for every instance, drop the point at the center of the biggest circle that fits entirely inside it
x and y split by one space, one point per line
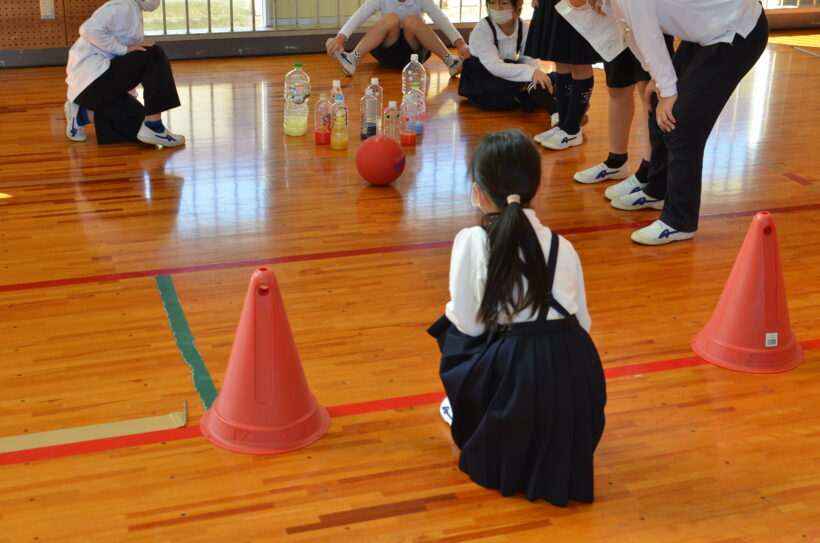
441 21
581 296
97 30
481 45
468 276
356 20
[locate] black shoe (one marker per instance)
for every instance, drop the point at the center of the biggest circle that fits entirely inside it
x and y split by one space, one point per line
542 98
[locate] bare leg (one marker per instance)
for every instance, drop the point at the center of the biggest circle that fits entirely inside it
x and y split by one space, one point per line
646 147
579 71
154 117
621 111
385 31
416 32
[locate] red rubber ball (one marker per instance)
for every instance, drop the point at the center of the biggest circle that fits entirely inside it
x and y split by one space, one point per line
380 160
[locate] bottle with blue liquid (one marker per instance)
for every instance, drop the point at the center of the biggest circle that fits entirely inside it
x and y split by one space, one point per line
369 108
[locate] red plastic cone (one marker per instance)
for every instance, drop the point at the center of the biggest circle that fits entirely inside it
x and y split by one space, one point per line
265 405
750 329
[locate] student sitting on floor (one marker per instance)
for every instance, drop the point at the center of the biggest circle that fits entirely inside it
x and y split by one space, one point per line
497 74
400 32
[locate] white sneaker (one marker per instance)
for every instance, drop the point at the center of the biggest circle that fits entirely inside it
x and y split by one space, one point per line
627 186
347 62
73 130
636 200
600 172
659 233
446 411
544 135
453 64
164 138
554 120
559 140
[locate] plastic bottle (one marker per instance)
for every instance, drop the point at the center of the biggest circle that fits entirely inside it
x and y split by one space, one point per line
336 90
322 120
338 115
378 93
413 72
370 114
297 93
409 120
416 96
392 123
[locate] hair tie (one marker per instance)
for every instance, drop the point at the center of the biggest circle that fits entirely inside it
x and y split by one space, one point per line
513 198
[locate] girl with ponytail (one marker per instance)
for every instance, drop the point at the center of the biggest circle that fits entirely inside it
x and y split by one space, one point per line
524 382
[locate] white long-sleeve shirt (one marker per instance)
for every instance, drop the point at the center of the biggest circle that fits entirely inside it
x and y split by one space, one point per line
468 278
402 9
492 58
105 35
705 22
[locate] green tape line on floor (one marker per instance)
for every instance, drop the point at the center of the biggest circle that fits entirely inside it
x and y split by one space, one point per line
203 382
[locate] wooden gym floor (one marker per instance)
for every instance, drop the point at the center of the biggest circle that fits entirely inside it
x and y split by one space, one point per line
691 452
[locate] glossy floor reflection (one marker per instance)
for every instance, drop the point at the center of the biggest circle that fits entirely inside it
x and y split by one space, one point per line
691 453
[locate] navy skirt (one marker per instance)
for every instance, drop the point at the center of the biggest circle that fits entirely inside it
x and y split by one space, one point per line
551 37
528 406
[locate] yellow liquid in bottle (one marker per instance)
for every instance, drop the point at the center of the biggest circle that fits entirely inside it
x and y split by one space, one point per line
295 126
338 141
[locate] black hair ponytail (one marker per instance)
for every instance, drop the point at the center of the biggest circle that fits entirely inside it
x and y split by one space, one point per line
507 163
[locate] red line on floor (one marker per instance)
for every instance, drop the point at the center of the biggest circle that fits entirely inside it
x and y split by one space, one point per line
188 432
795 177
352 252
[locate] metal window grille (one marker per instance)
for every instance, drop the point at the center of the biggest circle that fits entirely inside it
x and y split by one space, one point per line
221 16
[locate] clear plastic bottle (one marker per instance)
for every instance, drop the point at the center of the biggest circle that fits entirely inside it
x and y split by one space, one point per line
392 122
336 90
416 96
369 109
409 121
378 93
338 134
322 120
413 72
297 93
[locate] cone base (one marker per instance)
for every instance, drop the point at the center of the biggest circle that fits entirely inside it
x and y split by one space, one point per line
245 439
771 360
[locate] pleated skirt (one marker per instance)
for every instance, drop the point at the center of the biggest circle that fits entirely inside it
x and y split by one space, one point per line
551 37
528 407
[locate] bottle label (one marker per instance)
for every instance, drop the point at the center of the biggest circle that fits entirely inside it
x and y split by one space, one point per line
298 93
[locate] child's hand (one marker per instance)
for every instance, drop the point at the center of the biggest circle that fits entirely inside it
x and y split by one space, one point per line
139 46
540 78
335 45
663 111
463 50
535 3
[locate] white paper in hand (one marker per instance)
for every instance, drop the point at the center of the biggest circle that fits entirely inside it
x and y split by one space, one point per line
603 32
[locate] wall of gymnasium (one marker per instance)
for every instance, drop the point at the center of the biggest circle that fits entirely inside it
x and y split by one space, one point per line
28 40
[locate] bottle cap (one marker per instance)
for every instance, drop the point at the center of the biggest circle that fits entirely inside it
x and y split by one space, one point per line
337 83
414 56
391 103
297 65
374 80
322 95
368 92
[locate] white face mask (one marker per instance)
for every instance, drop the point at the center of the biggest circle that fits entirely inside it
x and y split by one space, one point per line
501 16
148 5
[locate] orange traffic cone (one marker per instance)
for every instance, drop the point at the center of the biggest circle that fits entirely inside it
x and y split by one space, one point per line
265 405
750 329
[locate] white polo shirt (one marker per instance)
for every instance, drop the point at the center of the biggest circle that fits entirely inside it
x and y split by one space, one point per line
705 22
